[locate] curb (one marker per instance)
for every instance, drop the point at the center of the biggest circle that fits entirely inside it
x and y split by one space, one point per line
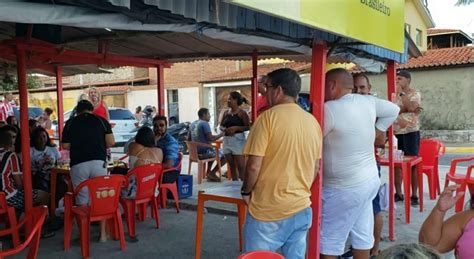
454 150
193 207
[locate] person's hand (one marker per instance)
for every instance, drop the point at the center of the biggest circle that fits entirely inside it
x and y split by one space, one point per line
246 199
230 131
447 199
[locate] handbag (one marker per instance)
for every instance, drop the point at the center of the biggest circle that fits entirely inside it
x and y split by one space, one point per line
120 169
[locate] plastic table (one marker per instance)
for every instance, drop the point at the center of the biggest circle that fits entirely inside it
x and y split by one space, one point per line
405 164
229 193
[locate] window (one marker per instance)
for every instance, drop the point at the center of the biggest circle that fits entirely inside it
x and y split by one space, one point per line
408 28
419 37
173 107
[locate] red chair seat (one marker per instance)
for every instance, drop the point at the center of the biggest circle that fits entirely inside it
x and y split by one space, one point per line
165 187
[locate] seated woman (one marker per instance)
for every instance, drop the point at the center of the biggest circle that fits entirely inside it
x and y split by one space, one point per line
44 156
455 233
141 152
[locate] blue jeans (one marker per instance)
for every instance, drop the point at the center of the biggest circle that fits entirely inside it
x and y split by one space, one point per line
288 234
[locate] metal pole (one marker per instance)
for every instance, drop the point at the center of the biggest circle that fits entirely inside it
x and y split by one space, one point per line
254 84
25 133
160 77
59 97
391 75
316 95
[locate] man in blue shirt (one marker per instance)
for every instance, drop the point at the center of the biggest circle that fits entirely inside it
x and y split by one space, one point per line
200 131
168 145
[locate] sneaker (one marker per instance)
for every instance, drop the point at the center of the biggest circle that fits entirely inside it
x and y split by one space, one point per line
414 201
399 197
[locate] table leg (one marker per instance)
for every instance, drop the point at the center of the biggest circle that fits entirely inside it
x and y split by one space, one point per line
420 184
391 207
241 212
406 172
199 217
54 176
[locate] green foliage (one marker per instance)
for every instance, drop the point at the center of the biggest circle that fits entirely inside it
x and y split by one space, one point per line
10 84
464 2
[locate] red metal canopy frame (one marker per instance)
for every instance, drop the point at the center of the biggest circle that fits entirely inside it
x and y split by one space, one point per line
30 53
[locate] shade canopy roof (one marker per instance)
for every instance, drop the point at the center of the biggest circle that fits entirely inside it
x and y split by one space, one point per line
176 31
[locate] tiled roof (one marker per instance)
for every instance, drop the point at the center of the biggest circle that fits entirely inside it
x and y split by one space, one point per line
442 57
438 31
246 73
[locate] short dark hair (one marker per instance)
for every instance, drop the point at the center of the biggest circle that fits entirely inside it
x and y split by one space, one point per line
48 111
237 96
160 118
10 118
6 139
362 75
145 137
202 112
287 79
84 105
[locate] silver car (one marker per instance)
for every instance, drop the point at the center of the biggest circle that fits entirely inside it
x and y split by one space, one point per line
121 120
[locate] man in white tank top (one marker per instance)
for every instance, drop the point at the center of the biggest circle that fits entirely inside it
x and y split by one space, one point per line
350 179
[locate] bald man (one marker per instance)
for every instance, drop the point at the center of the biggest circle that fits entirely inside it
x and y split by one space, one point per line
350 179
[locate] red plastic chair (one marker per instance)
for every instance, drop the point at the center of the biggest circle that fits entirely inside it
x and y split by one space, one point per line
8 216
35 218
261 255
172 187
460 179
430 151
147 177
104 193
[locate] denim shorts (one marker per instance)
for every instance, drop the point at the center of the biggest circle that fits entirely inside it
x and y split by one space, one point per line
288 234
234 144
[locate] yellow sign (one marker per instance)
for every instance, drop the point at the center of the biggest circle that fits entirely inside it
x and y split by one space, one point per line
377 22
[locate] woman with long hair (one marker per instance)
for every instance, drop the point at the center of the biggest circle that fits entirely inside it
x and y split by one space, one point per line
234 123
100 108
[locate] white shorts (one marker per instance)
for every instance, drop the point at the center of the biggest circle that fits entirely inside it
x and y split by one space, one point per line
234 144
85 171
348 211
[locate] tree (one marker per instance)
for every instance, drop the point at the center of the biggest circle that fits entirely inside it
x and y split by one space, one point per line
464 2
9 83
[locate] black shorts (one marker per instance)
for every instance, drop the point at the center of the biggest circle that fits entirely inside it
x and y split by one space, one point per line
409 143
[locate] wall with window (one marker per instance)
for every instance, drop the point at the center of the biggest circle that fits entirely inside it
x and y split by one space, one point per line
416 25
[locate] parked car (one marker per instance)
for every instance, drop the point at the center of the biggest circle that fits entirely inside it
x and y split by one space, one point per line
121 120
33 112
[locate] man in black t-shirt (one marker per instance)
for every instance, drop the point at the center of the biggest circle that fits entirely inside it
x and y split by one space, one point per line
87 136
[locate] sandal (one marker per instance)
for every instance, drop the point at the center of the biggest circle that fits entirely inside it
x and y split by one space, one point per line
212 178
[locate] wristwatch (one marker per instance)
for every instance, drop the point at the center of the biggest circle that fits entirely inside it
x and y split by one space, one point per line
243 193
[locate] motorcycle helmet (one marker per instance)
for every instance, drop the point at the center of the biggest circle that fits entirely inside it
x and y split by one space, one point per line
148 110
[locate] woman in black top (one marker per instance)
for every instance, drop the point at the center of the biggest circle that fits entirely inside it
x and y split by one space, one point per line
234 123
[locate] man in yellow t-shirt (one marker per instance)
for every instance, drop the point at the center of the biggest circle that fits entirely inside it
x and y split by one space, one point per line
283 149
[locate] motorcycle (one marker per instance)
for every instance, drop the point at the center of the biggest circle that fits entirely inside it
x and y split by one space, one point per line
179 131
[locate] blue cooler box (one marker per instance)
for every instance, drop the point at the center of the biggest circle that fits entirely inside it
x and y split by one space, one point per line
185 186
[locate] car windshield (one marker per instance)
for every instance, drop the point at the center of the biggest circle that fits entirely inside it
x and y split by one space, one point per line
121 114
33 112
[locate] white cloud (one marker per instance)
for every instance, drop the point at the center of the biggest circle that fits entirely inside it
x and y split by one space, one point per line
447 15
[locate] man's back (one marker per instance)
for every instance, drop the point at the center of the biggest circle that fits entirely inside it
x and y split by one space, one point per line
289 140
349 134
86 134
199 129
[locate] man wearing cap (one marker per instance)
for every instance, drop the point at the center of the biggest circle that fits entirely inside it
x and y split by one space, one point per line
407 129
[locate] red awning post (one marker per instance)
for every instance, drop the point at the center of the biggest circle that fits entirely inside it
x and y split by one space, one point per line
160 77
391 75
25 133
254 84
316 95
59 97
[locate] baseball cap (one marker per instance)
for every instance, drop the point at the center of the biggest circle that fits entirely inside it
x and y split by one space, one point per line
404 73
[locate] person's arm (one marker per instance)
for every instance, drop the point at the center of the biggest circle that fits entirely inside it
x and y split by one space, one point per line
328 120
170 153
16 172
386 113
252 170
411 103
246 120
107 115
316 170
436 233
109 140
380 138
208 133
66 140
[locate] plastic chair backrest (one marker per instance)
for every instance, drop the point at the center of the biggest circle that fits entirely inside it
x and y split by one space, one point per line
454 163
147 177
104 193
429 151
261 255
35 217
3 203
192 148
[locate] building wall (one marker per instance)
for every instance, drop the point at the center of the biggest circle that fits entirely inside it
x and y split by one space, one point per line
446 94
413 17
188 103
